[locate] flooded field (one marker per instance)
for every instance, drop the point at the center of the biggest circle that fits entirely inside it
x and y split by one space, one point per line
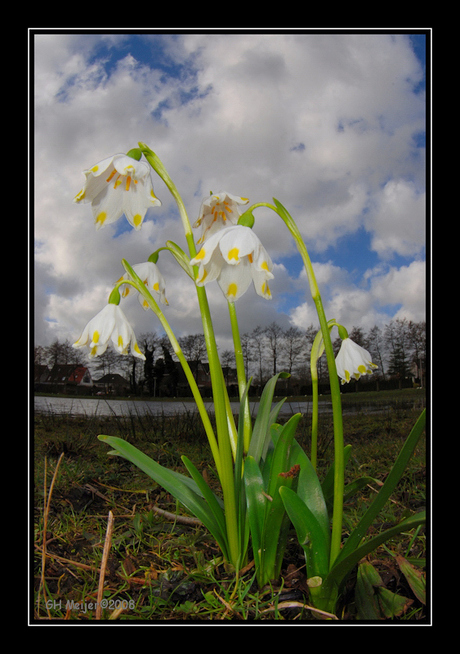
75 406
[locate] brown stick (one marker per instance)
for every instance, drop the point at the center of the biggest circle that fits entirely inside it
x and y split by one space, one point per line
185 520
105 555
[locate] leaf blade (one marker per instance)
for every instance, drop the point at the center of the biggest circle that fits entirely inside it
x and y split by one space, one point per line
182 488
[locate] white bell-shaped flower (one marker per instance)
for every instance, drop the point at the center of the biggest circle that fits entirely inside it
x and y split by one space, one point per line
118 185
352 361
235 257
109 325
152 278
217 211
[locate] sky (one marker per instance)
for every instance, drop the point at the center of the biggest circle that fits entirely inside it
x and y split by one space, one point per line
332 124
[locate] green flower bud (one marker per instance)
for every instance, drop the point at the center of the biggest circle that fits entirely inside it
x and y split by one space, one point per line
114 297
246 219
135 153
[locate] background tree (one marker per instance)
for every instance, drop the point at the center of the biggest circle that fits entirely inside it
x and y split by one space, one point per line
170 371
193 346
292 347
416 334
149 343
359 337
247 353
274 334
396 339
398 349
227 359
258 353
40 356
377 350
61 354
107 363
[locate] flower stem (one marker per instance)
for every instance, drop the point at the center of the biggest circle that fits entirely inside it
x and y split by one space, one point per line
217 381
337 516
136 282
314 417
317 350
241 373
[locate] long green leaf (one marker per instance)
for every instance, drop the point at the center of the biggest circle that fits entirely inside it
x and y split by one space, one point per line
240 494
276 521
265 417
309 533
256 503
280 459
309 489
340 570
387 489
207 493
180 487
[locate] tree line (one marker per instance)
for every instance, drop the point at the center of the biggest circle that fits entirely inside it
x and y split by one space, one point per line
398 349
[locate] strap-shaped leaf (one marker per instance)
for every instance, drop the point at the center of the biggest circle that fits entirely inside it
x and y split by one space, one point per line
265 418
256 500
276 521
309 533
386 490
341 569
184 489
309 489
207 493
280 460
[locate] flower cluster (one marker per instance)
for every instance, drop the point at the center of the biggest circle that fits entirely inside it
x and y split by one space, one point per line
230 254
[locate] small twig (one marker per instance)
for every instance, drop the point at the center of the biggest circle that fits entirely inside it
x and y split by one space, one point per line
105 555
293 605
228 607
56 557
185 520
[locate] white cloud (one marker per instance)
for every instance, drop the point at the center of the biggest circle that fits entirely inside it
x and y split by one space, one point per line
398 219
324 123
406 286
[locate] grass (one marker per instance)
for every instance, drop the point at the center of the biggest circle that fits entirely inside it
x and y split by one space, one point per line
160 567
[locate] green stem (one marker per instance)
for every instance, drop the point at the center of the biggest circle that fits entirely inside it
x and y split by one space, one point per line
317 350
219 391
337 517
241 374
158 166
314 417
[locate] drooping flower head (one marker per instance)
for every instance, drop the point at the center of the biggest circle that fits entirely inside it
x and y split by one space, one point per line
235 257
118 185
352 361
152 278
109 325
217 211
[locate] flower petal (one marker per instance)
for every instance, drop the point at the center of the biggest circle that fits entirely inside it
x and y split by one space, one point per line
234 281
